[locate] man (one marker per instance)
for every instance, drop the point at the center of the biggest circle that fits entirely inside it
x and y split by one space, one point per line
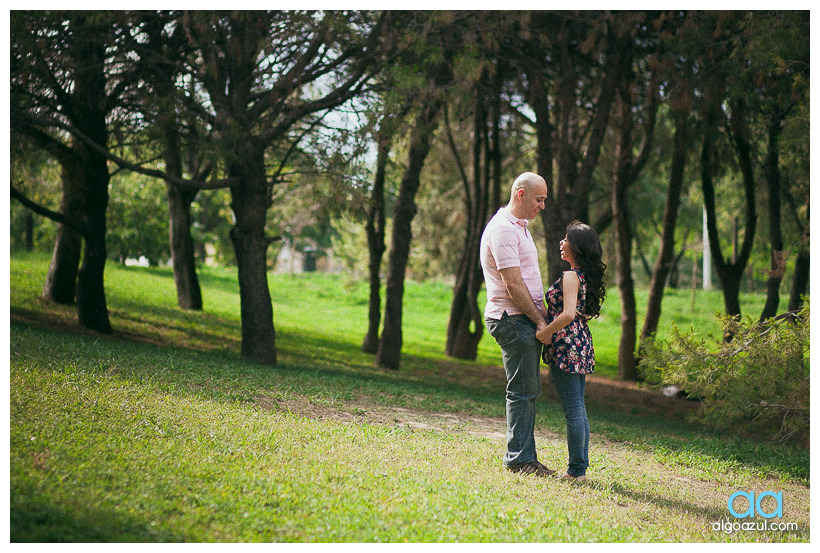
515 311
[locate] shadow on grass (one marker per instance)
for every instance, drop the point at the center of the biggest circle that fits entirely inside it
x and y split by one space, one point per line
684 507
315 366
34 521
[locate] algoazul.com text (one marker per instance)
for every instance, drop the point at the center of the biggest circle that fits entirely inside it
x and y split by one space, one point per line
733 525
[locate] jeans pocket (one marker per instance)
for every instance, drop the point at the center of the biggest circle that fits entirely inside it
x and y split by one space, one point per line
505 330
526 328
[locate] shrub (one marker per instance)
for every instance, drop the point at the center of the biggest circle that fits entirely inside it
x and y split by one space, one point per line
757 381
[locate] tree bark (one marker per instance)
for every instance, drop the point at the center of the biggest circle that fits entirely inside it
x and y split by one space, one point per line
251 199
90 114
568 197
189 293
466 326
627 368
666 254
730 274
61 280
801 279
374 228
772 172
388 354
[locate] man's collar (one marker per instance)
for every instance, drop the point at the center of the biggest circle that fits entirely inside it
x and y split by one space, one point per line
515 220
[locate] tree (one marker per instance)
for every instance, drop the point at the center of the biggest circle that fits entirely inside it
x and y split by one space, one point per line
632 87
64 70
375 229
680 101
664 262
481 187
570 64
427 71
163 51
262 73
486 73
729 271
775 53
388 354
752 61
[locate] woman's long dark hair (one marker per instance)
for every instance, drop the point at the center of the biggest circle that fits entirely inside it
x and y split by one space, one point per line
587 253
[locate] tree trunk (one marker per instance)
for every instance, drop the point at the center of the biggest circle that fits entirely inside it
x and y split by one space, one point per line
61 279
626 171
775 235
91 101
251 199
730 274
664 263
92 311
568 197
627 367
801 279
374 228
466 325
388 354
189 293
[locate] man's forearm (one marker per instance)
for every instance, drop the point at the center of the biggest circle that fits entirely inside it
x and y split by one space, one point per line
525 303
520 295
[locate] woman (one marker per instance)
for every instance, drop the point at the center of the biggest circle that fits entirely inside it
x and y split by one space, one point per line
572 300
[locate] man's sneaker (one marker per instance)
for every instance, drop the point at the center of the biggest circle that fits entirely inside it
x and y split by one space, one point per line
533 467
579 479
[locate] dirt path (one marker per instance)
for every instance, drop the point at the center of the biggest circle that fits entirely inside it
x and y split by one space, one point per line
625 396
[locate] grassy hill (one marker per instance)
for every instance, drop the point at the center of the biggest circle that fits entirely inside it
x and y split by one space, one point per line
162 433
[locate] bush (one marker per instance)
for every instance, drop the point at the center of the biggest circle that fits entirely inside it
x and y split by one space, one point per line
757 381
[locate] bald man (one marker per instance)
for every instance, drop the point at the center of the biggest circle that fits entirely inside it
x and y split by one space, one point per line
515 311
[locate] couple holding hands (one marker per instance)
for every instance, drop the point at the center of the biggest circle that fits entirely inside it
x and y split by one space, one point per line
530 326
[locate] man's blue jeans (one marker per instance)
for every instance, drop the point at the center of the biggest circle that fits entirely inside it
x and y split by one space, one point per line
521 355
570 388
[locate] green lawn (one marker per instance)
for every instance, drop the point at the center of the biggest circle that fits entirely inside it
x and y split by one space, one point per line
162 433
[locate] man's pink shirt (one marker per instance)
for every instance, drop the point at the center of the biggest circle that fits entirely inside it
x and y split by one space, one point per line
506 243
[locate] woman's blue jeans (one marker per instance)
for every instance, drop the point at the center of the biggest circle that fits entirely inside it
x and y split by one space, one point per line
570 388
521 355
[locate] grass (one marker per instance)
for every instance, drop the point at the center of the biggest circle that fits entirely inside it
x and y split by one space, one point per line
162 433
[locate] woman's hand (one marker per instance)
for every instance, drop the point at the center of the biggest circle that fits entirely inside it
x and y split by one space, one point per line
543 337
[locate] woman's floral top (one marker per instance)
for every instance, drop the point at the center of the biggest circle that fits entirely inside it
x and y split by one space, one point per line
571 349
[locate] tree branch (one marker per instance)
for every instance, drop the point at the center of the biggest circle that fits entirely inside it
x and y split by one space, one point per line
453 148
182 183
45 212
